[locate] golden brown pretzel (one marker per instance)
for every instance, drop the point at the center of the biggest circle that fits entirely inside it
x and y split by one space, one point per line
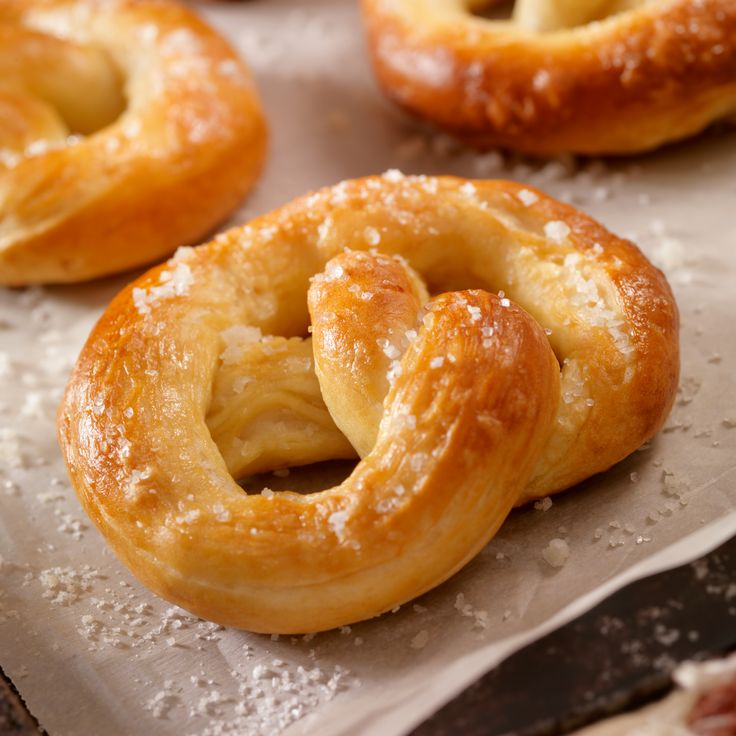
583 76
129 127
201 372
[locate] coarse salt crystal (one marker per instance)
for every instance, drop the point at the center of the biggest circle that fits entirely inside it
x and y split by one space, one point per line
527 197
556 553
468 189
541 79
221 513
334 271
389 349
544 504
372 236
420 640
189 516
480 617
237 339
394 371
393 175
418 460
172 283
557 230
336 521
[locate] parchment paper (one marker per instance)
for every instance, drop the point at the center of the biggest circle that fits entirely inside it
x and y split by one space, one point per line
93 652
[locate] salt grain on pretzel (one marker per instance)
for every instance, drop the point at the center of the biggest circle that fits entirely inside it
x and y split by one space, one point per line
582 76
128 128
203 372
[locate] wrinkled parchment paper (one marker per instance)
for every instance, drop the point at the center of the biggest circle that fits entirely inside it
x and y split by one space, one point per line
92 651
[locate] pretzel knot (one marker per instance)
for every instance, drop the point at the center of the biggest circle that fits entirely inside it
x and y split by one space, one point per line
460 405
580 76
128 128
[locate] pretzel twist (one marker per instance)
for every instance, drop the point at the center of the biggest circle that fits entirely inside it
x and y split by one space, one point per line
203 372
580 76
129 128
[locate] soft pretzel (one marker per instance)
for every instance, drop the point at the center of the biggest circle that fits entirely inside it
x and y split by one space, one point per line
581 76
202 372
129 128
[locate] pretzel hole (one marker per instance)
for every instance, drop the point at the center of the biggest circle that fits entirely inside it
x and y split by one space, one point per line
53 91
304 479
550 15
493 10
90 93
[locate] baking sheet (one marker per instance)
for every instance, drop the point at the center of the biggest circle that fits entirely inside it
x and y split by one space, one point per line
91 650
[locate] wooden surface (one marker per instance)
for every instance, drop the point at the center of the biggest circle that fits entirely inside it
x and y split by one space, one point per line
15 720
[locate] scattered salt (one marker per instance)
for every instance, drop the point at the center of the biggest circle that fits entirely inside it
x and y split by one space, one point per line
556 553
480 617
65 585
10 452
544 504
420 640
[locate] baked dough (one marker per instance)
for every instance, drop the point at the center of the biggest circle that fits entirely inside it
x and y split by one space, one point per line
580 76
129 128
202 372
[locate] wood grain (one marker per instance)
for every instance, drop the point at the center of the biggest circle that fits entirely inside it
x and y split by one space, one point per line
15 720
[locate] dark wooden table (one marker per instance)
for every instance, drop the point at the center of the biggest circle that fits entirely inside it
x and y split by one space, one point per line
15 720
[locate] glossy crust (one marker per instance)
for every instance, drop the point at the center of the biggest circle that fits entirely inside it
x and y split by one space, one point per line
173 135
175 375
654 73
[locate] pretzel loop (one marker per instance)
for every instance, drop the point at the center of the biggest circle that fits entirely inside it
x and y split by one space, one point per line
577 76
128 128
204 369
